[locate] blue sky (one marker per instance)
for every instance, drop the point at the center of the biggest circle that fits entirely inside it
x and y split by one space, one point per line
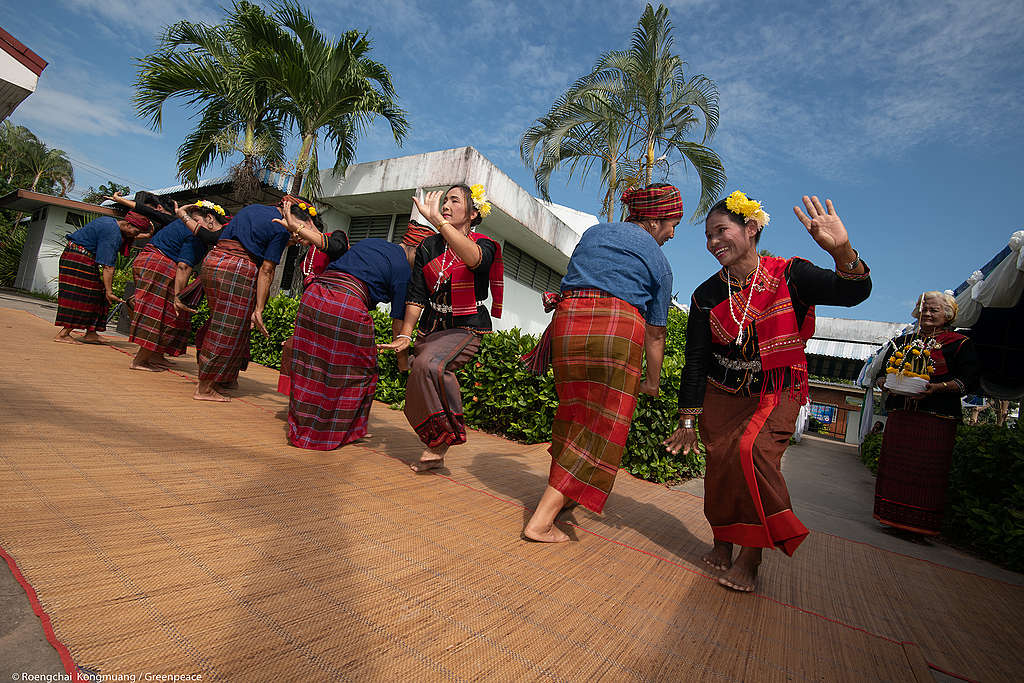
905 112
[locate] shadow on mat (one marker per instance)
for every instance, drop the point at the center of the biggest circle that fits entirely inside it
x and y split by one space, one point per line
505 475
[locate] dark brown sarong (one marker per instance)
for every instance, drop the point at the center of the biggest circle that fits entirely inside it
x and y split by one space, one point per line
156 324
433 399
913 471
597 346
229 278
745 497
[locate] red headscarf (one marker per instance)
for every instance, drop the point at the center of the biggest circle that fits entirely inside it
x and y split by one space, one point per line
137 219
658 203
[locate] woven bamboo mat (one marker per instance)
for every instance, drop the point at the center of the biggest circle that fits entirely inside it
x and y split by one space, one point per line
172 536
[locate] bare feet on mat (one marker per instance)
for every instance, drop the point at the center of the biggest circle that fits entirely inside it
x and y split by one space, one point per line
430 459
227 386
64 337
136 365
90 338
210 395
719 557
742 576
551 534
161 361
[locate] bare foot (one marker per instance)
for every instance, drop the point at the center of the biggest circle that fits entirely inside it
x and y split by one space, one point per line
425 465
65 338
135 365
552 534
719 557
90 338
161 362
742 576
211 396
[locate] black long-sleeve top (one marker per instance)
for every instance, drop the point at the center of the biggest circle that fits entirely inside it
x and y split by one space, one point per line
432 319
737 369
959 365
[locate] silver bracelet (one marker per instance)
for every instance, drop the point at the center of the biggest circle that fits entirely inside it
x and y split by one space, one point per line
403 336
687 423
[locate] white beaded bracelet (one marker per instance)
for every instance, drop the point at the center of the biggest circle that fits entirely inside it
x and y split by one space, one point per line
403 336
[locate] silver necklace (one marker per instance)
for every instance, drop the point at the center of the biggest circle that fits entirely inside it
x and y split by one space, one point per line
445 266
746 308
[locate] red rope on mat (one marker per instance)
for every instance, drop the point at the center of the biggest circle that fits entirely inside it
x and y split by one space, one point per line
65 656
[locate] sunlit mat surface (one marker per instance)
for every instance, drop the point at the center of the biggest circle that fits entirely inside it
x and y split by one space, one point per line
167 535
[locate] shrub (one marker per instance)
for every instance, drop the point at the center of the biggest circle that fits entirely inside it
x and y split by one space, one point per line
869 451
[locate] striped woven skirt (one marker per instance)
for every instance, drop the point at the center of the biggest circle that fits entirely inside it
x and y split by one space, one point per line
746 500
81 297
156 324
333 364
229 280
433 399
596 352
913 471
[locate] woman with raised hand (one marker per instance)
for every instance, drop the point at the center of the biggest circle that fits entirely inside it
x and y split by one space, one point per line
85 277
236 277
745 376
612 312
447 292
160 322
333 354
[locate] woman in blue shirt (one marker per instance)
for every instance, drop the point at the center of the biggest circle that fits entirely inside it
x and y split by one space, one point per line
86 275
613 311
236 277
161 270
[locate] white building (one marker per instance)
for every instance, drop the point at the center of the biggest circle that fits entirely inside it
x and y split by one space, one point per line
19 72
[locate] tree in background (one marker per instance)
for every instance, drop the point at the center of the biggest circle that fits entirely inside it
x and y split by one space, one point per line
635 112
96 195
255 76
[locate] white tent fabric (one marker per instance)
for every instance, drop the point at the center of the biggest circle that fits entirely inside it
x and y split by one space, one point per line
1001 289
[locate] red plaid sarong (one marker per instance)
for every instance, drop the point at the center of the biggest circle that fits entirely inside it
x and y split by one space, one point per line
913 471
229 280
333 364
156 325
746 500
81 298
597 350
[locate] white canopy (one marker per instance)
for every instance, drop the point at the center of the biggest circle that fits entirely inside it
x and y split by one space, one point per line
1001 289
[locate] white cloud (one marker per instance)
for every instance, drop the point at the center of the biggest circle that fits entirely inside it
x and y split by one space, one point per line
64 111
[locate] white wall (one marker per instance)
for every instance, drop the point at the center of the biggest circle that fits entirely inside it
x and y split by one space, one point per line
522 308
40 257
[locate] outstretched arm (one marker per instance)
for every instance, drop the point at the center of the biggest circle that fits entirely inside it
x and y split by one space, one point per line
826 228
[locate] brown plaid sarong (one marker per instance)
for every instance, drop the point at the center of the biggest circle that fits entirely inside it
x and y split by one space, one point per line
156 324
433 399
229 280
81 298
596 352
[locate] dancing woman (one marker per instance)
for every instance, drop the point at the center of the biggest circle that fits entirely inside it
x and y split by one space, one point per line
746 374
86 275
160 323
333 354
236 277
612 311
447 292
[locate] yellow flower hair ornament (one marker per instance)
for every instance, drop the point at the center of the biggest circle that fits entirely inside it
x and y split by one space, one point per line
206 204
479 197
737 202
308 208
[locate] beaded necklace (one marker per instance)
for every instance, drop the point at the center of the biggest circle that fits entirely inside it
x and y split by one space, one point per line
746 309
443 275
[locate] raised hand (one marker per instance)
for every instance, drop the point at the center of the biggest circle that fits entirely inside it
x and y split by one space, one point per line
430 207
823 224
290 221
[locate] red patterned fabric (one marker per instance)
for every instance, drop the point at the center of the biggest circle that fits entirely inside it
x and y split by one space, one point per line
229 280
780 343
416 233
659 203
433 399
156 324
81 297
138 220
597 349
463 280
333 364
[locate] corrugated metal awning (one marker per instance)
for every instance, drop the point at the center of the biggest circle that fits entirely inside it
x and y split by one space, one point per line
837 349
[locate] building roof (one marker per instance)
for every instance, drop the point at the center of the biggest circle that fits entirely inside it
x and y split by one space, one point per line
26 200
873 332
839 349
19 72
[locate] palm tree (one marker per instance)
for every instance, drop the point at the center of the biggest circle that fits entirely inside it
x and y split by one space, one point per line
49 166
327 89
208 66
653 109
14 144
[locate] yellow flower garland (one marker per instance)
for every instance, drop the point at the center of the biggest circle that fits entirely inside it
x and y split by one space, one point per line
479 197
737 202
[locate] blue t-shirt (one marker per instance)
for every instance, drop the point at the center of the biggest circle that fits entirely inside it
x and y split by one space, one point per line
177 243
382 267
625 261
102 237
253 226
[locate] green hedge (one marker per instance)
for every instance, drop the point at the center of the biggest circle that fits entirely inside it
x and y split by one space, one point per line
502 397
985 499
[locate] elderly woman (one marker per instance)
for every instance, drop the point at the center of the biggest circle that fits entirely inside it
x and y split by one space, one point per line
447 292
745 376
86 275
236 277
612 312
333 355
160 324
917 446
